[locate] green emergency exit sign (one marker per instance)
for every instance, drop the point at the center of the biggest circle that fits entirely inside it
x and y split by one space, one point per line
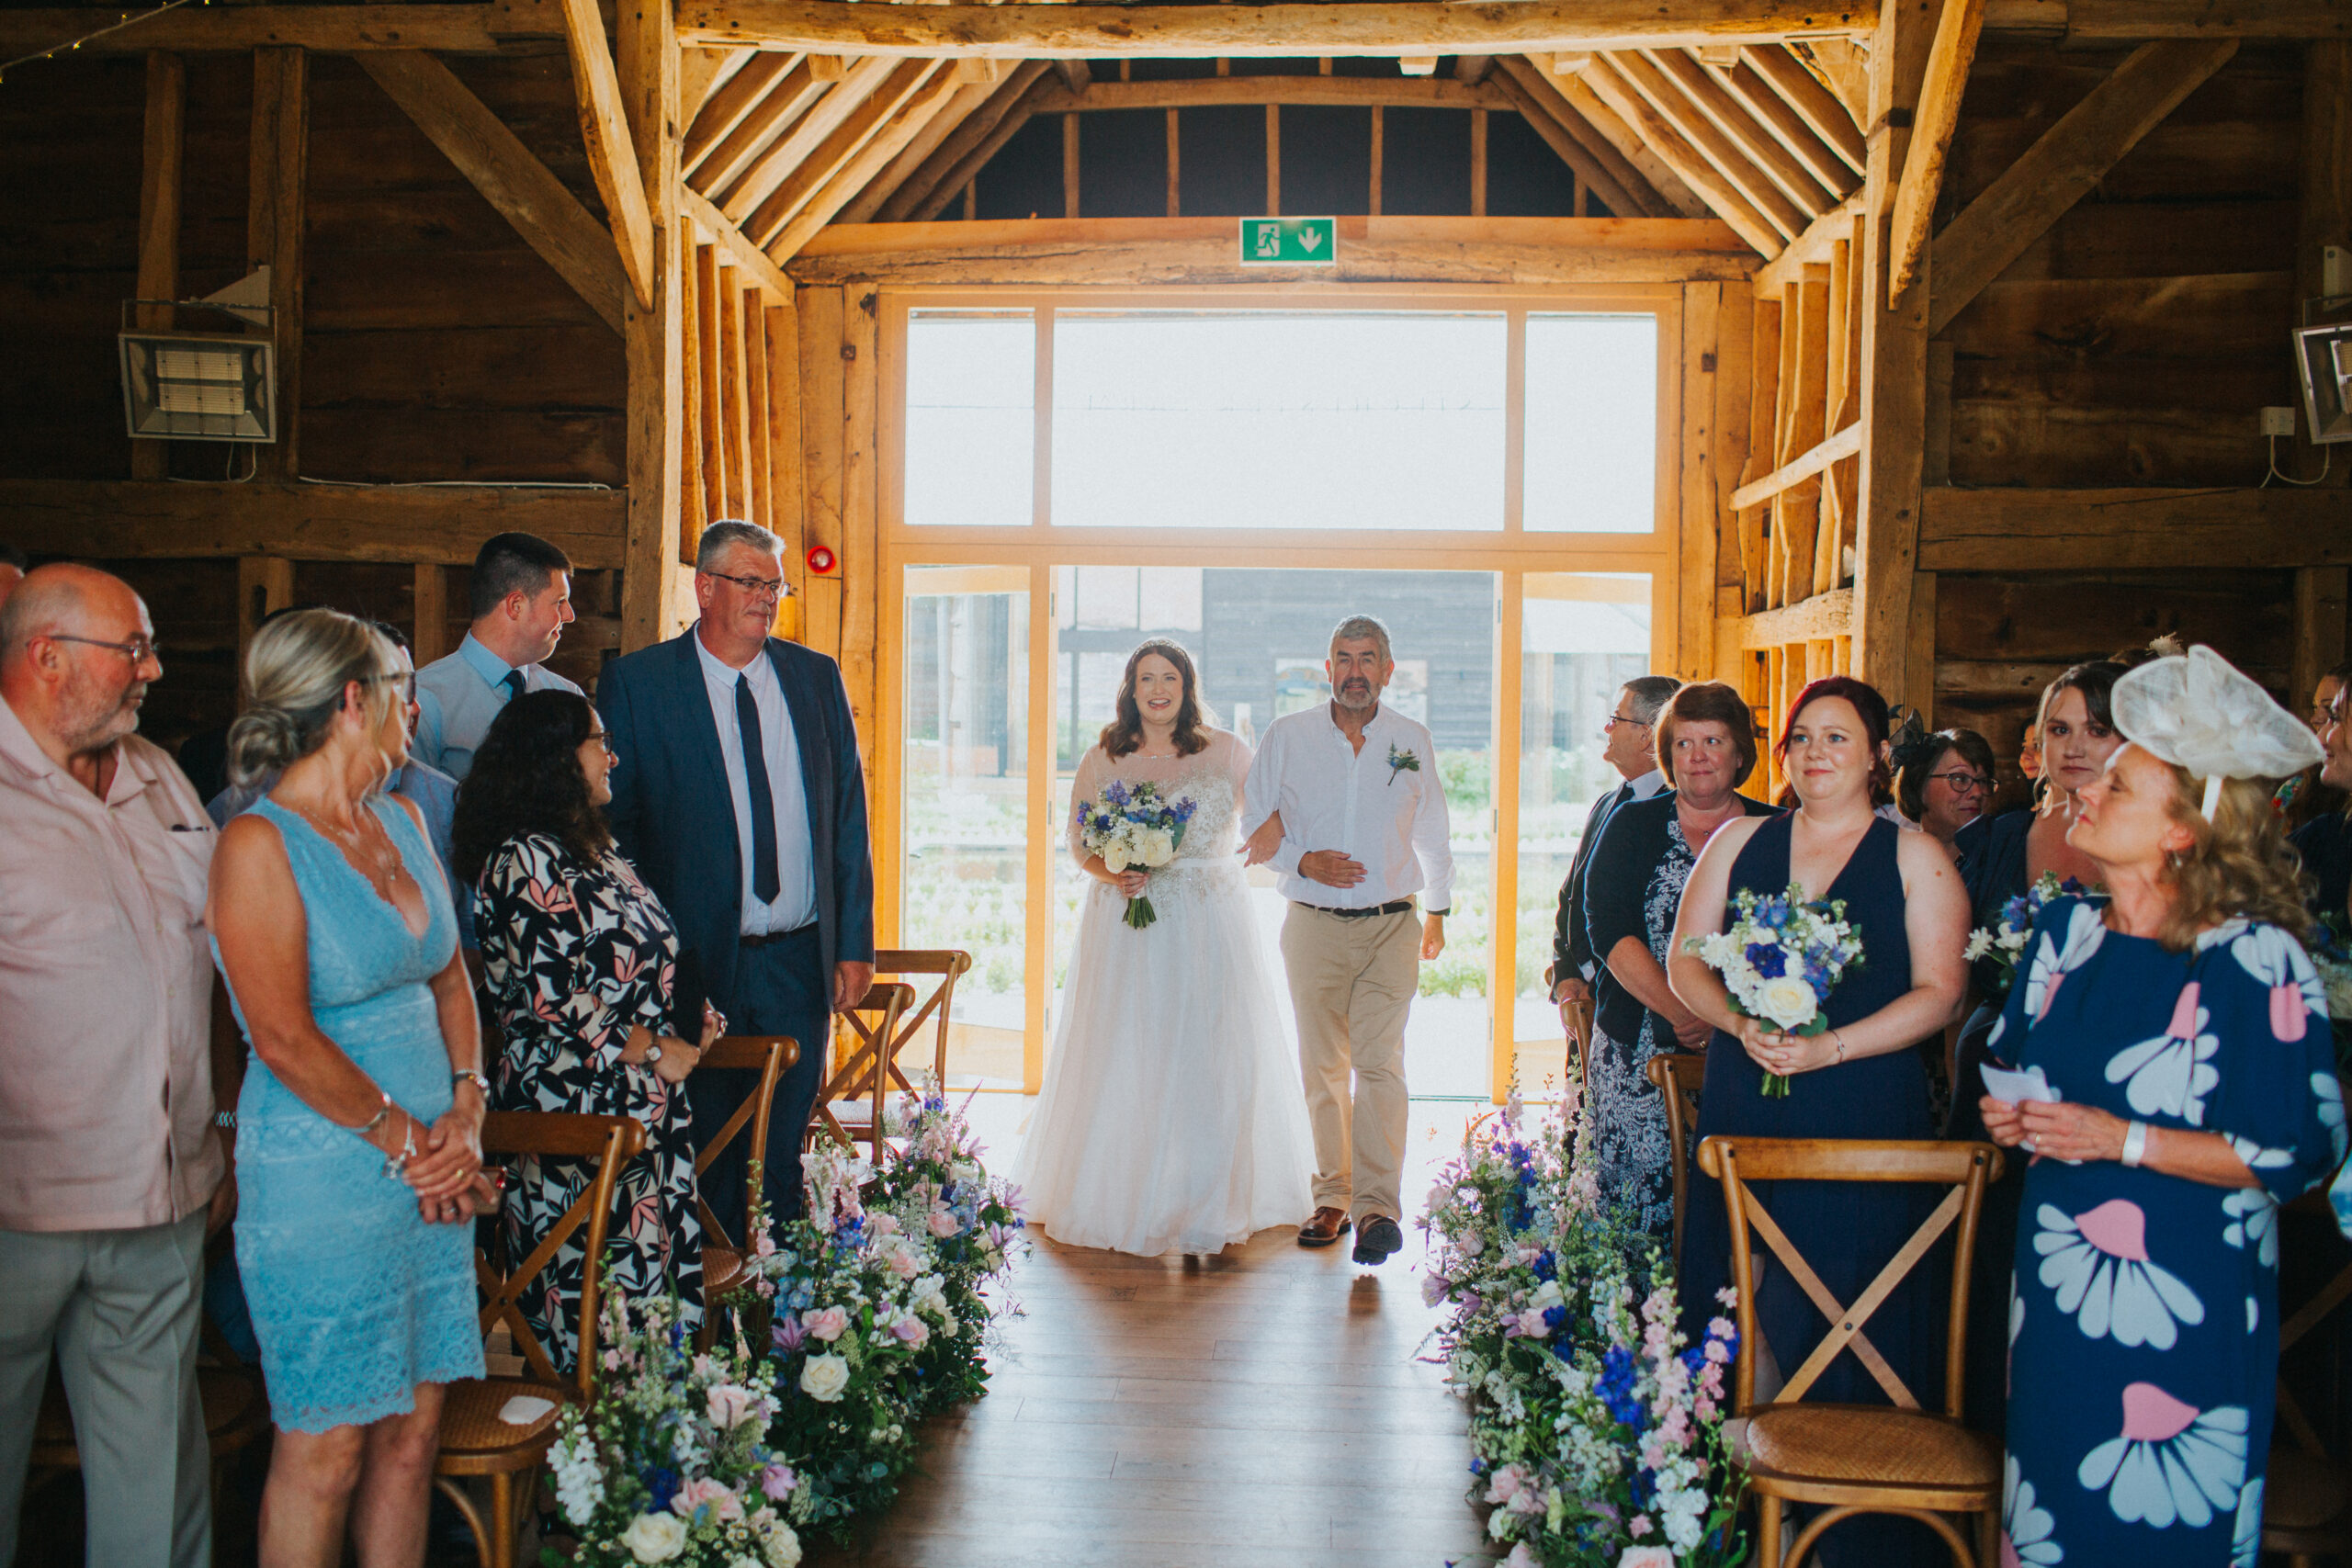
1289 241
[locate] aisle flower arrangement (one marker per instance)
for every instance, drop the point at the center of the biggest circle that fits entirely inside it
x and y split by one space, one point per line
880 1307
672 1463
1597 1433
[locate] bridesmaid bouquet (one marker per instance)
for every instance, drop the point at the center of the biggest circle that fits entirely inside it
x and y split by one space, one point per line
1135 824
671 1463
1780 959
2004 940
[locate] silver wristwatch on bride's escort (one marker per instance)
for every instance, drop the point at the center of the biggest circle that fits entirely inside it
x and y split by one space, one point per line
653 1051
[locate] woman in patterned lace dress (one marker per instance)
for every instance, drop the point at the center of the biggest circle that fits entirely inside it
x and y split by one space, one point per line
581 958
1706 744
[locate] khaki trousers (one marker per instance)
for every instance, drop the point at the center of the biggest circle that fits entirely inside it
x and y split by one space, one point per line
1351 981
119 1308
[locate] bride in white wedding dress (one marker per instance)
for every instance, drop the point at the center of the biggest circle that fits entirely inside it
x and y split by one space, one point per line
1171 1120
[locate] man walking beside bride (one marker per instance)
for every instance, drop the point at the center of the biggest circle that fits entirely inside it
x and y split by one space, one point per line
1170 1119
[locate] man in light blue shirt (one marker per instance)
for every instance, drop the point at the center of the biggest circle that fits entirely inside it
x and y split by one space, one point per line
520 597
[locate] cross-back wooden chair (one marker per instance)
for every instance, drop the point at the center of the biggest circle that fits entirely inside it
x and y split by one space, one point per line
861 1068
771 1057
474 1441
937 1009
1583 1013
1676 1076
2307 1496
1859 1458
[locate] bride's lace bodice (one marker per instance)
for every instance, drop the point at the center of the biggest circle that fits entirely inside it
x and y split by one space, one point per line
1212 780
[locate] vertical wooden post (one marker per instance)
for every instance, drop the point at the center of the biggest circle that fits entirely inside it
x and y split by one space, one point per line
265 585
782 473
694 494
1477 162
1274 159
1920 658
1716 340
1069 166
733 397
2325 215
1172 203
2320 592
1377 158
1502 932
159 220
651 335
861 546
278 167
711 414
429 638
821 429
1894 367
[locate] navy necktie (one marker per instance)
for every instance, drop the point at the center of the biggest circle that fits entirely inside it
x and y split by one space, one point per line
512 682
766 883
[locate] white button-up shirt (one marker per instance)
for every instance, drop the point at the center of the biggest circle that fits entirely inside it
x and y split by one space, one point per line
1376 806
795 901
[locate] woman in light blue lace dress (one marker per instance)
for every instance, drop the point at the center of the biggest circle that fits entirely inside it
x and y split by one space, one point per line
358 1153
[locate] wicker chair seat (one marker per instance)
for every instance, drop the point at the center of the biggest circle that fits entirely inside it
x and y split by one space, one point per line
474 1441
2304 1494
722 1272
1836 1446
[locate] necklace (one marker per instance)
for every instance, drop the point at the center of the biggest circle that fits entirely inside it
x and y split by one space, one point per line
374 859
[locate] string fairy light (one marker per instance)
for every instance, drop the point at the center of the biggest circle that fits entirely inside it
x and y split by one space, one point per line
68 45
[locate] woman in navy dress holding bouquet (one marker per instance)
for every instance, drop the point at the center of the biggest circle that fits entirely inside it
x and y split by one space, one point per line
1859 1077
2187 1034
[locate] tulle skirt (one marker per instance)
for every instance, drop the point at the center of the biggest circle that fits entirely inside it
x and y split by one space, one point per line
1172 1119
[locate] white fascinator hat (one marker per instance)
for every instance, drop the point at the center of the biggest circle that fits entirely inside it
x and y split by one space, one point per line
2201 713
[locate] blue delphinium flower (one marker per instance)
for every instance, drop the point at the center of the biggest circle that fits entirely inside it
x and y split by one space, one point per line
1770 960
663 1485
1616 1386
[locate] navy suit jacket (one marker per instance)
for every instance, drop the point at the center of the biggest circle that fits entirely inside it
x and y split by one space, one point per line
673 817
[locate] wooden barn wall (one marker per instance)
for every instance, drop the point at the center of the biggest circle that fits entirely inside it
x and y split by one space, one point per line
436 345
2130 346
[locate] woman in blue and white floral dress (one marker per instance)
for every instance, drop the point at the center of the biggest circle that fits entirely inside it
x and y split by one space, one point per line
2186 1033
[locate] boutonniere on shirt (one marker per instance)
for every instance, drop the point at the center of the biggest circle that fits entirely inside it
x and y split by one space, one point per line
1402 762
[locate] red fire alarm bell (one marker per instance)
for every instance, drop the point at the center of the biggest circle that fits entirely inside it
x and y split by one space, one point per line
821 559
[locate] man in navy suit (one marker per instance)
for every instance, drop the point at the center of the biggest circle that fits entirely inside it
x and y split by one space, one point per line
739 799
1626 747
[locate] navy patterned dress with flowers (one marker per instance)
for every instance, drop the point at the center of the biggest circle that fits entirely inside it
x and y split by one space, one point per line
2144 1311
576 953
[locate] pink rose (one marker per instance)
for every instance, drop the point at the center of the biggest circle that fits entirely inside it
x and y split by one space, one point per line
777 1481
1532 1324
730 1405
827 1324
1645 1556
883 1225
702 1493
911 1329
943 1223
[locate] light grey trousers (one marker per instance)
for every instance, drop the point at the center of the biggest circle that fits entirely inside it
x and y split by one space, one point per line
120 1310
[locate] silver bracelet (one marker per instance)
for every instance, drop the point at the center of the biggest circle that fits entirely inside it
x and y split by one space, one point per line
2135 1142
1839 1041
367 1127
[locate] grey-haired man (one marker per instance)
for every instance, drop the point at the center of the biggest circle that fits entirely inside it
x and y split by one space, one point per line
1363 829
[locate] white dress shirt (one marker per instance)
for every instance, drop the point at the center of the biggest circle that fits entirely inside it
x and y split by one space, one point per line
795 901
1388 818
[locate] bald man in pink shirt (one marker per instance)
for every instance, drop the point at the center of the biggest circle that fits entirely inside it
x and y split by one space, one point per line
111 1170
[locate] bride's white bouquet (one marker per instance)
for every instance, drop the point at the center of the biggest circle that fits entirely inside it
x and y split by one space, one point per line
1135 825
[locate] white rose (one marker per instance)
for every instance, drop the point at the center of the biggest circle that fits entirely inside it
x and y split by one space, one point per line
1786 1001
1114 857
783 1546
1159 848
1980 942
822 1379
655 1537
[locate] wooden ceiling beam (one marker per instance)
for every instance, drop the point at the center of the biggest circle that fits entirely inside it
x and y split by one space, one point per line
1948 59
781 107
1626 193
1829 168
493 159
1745 132
1698 152
904 125
2130 21
1822 111
2096 530
1393 28
341 29
968 101
1017 114
1812 248
703 71
612 152
828 159
2063 167
951 153
739 250
775 163
1417 92
724 109
1564 74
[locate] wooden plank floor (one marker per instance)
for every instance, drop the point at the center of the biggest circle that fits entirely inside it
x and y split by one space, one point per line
1262 1406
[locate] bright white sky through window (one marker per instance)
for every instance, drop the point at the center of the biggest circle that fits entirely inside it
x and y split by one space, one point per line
971 418
1591 424
1319 420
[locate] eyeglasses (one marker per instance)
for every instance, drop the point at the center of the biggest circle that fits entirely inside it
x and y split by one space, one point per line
604 740
757 587
406 678
1614 719
138 649
1962 783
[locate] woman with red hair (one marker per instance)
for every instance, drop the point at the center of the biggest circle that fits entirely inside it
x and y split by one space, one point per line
1861 1078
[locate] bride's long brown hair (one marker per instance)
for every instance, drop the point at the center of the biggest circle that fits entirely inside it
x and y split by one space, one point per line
1124 733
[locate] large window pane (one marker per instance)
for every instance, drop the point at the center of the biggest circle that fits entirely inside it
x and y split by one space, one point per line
1583 636
1591 463
971 418
964 877
1327 419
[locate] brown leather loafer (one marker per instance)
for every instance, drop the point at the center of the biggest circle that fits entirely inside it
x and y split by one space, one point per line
1325 1227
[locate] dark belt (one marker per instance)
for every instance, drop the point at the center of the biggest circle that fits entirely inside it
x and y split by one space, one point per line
769 939
1394 906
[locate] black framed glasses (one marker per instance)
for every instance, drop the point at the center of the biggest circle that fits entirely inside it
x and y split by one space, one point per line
1960 783
138 649
757 587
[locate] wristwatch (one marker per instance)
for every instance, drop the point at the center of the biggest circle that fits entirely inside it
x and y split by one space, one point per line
477 1079
653 1051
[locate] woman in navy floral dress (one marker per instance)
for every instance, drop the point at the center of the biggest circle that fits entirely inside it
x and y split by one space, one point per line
2186 1034
581 958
